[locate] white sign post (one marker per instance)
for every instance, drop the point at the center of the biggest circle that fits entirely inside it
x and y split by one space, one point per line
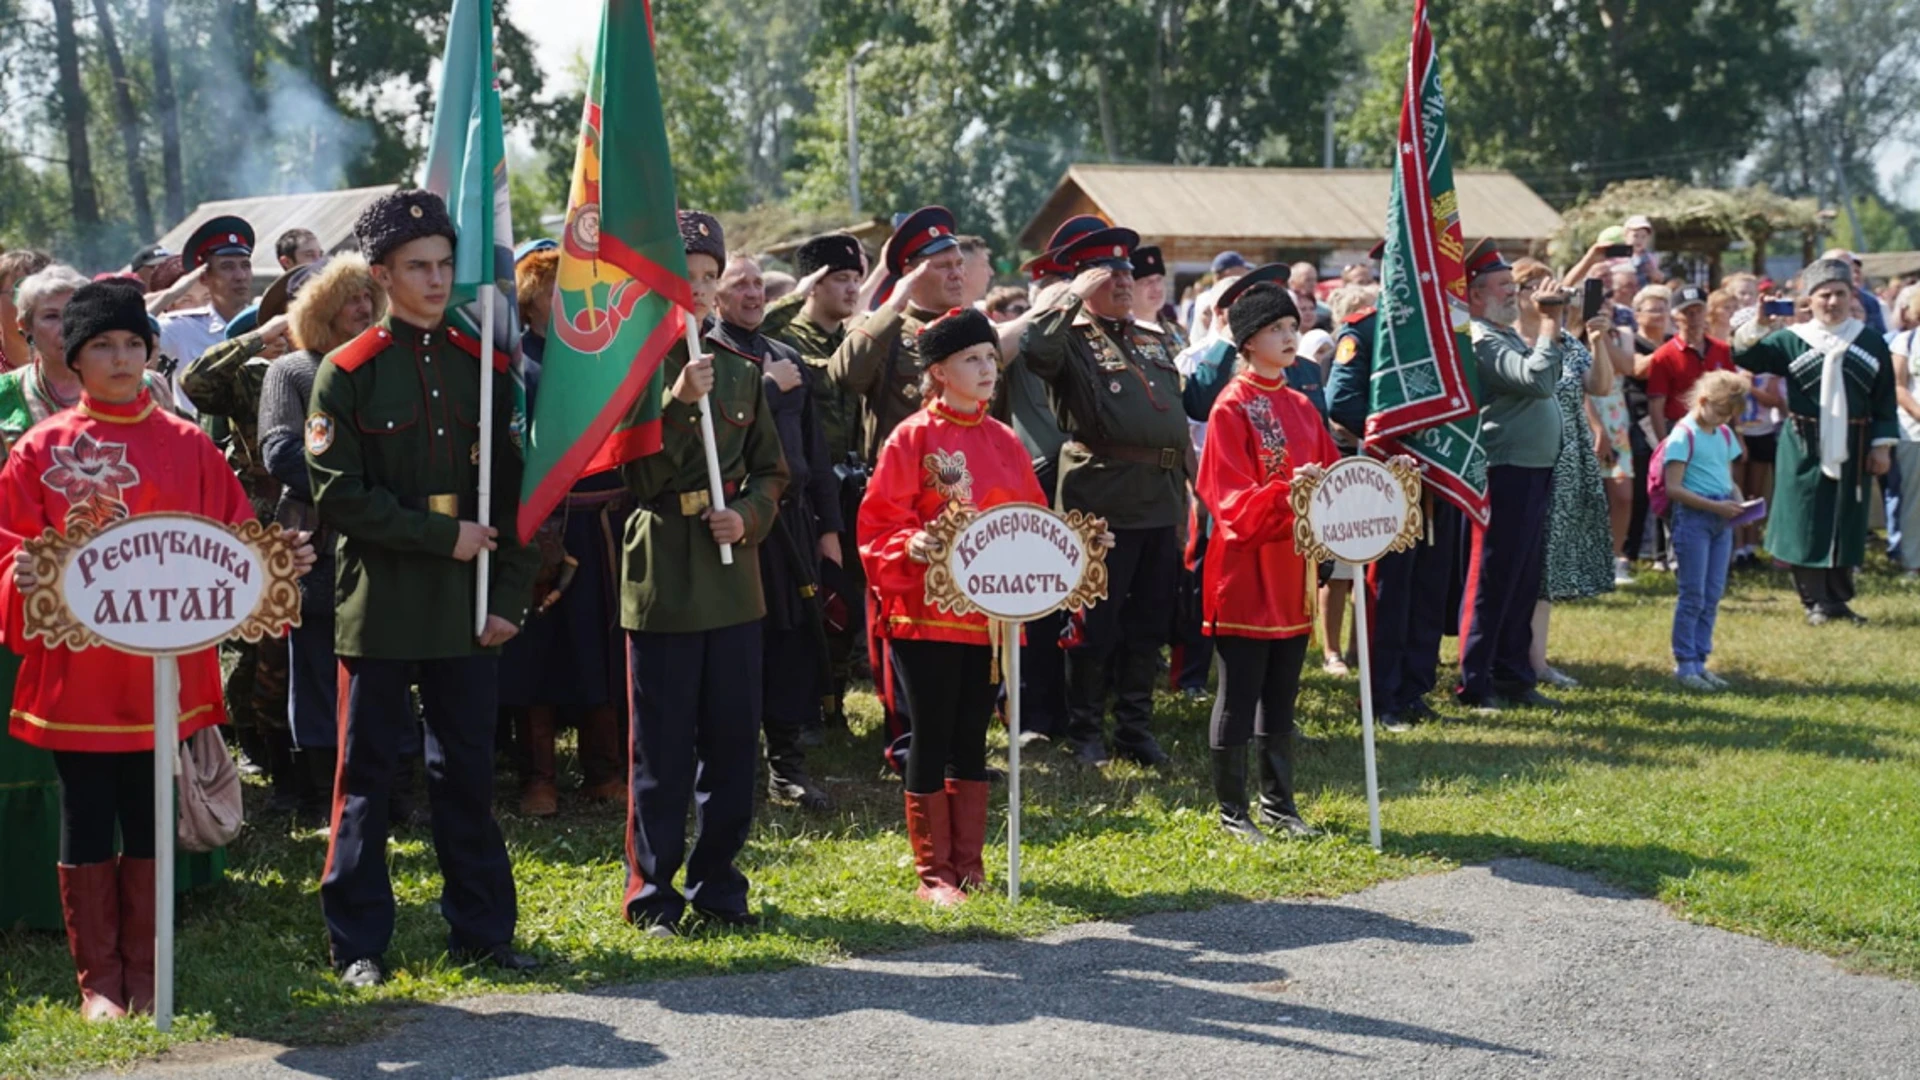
1014 563
1357 511
162 585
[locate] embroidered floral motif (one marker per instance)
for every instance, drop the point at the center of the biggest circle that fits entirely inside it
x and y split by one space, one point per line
1273 438
947 474
92 475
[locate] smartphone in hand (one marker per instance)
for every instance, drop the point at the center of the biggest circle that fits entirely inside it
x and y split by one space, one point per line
1594 300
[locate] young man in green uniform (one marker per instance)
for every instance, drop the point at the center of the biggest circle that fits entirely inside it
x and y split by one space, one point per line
1117 394
1842 425
813 320
393 446
693 628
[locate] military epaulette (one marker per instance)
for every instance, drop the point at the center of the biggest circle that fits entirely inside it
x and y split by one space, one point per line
1360 315
471 347
371 343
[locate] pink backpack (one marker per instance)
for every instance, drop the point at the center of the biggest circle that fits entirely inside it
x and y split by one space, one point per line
1657 500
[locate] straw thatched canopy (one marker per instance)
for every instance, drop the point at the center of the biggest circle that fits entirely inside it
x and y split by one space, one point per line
1700 221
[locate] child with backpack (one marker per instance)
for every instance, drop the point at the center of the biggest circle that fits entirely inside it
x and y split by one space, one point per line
1693 473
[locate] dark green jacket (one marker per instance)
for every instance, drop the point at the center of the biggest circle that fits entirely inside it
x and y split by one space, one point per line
842 417
1117 394
394 422
671 578
878 365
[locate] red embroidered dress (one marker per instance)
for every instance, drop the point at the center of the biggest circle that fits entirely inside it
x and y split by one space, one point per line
101 463
1258 434
934 457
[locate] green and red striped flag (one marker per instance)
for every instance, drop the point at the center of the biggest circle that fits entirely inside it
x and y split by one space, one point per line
622 281
1423 395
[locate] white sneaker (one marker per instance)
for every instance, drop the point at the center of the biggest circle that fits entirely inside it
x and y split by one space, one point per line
1695 682
1718 682
1622 572
1558 679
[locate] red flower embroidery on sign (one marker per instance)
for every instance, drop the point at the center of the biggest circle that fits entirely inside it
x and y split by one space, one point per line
91 470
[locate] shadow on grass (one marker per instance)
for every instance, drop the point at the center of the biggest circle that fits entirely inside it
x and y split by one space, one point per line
441 1041
1641 868
1162 975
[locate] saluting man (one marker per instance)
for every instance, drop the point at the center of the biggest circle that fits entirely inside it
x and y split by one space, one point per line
393 446
1117 394
224 246
926 277
694 643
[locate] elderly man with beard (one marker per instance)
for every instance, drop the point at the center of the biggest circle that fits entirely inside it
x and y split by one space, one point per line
1842 424
806 532
1520 429
1117 394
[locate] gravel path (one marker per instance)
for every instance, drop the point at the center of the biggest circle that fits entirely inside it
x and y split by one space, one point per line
1513 969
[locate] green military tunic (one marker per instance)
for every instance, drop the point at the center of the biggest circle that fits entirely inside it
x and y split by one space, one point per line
225 382
1117 395
877 364
842 419
1814 520
393 446
672 580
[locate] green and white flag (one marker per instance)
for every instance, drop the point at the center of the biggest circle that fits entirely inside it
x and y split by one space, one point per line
1423 400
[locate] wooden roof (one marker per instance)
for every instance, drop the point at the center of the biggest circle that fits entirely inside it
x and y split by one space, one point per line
330 214
1286 208
1882 265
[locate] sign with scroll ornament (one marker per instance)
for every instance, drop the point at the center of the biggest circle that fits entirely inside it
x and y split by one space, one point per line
161 584
1358 511
1014 563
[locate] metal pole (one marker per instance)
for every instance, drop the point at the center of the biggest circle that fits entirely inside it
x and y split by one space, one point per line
1366 706
1327 152
483 565
1012 674
716 491
166 735
853 133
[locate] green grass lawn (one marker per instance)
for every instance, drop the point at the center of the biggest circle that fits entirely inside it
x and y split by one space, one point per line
1788 808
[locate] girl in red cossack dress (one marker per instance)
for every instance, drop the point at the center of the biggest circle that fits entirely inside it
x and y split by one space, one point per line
951 451
1260 434
114 455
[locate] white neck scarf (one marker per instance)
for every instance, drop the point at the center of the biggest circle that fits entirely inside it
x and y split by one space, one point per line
1833 343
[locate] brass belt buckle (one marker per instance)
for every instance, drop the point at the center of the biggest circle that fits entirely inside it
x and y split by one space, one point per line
693 503
1169 458
444 505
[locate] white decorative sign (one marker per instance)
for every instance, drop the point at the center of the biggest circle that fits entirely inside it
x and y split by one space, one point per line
1015 562
1358 511
162 584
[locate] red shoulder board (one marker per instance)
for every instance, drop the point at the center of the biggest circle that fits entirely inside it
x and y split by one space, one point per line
471 347
371 343
1359 315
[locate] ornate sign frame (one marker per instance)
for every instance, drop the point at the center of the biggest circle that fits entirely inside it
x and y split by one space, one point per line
943 588
49 618
1306 539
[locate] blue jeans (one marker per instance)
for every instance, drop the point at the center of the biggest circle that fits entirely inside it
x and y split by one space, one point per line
1702 545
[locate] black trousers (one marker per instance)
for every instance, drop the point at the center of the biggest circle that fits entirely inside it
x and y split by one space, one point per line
1826 589
1408 615
1503 582
695 707
1192 649
101 795
1043 677
790 692
947 687
459 697
1259 681
1122 639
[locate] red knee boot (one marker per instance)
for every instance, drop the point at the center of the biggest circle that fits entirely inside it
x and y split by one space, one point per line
137 931
90 898
967 809
929 830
